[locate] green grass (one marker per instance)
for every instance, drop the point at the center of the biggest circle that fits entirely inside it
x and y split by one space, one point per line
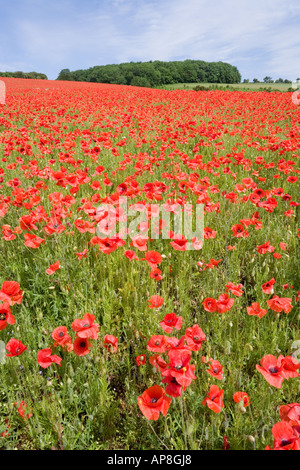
90 402
283 87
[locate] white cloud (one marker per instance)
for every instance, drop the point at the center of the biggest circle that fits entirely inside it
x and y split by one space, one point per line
260 37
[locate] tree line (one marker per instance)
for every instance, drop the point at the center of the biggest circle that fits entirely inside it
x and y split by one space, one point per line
268 79
19 74
156 73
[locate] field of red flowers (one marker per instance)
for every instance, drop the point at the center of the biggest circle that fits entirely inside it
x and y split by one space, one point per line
113 341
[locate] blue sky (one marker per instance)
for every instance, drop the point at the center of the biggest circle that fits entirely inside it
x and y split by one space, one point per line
260 37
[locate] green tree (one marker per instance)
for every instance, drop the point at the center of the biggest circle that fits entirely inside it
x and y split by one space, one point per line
157 73
140 81
268 79
64 74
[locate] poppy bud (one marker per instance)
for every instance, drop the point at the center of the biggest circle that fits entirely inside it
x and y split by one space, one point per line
240 407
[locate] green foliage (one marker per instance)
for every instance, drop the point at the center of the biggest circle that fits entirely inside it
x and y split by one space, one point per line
156 73
19 74
64 75
268 80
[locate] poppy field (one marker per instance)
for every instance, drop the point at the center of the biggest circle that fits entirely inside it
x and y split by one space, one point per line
112 341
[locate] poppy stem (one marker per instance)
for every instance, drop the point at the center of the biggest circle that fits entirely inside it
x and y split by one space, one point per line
183 422
153 430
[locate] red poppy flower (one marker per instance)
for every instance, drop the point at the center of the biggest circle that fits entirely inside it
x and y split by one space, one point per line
194 337
131 255
197 243
289 213
27 222
153 258
224 303
22 410
171 321
32 241
179 243
86 328
155 301
210 305
154 401
279 305
239 231
81 346
285 437
226 445
10 292
173 388
242 396
8 233
156 274
15 347
3 207
272 370
158 362
52 268
82 254
108 245
290 366
214 399
84 226
54 226
179 366
96 186
45 358
269 205
5 316
267 287
255 309
121 188
157 343
172 342
262 249
212 263
139 242
215 369
292 179
61 337
235 290
209 233
290 413
111 343
141 359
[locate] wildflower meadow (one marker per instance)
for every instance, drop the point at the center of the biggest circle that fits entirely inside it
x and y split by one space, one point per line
149 271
